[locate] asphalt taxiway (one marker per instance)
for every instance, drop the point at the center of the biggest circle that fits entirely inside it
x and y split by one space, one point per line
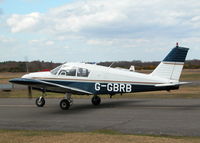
180 117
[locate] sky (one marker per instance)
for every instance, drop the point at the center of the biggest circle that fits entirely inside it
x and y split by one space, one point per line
97 30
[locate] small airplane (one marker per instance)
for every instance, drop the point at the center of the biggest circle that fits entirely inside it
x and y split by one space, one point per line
92 79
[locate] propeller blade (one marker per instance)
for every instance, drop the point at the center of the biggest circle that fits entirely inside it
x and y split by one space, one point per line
29 91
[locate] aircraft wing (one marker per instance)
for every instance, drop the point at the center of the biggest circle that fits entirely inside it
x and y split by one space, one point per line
171 84
51 87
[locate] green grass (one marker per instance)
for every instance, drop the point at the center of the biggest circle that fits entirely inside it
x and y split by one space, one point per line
24 94
107 132
191 76
186 75
32 133
106 136
189 91
183 92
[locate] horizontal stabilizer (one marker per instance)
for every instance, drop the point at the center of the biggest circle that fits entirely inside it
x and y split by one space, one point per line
171 84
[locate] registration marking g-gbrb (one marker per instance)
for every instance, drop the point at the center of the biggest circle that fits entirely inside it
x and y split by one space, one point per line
114 87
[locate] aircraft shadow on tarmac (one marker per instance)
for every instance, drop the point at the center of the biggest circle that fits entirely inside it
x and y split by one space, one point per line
126 104
104 105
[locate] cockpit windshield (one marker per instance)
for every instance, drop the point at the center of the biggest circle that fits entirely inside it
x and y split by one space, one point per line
65 70
55 71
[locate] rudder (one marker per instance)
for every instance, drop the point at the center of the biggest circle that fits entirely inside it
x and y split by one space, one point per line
172 65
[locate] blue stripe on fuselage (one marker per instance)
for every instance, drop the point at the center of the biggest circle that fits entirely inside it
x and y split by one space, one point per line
108 88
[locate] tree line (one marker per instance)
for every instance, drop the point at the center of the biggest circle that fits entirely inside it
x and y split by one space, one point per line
139 65
34 66
21 66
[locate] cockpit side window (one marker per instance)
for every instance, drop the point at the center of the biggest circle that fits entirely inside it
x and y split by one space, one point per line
62 72
68 72
55 71
83 72
71 71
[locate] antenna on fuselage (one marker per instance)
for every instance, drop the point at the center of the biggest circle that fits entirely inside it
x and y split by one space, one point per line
111 64
26 62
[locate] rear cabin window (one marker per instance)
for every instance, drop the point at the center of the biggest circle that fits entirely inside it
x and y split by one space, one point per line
82 72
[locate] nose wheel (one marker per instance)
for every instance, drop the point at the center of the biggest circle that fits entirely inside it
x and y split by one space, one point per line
96 100
40 102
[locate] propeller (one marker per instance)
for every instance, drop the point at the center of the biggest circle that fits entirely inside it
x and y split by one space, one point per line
30 92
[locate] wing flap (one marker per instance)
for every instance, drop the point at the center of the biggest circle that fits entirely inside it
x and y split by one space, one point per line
39 84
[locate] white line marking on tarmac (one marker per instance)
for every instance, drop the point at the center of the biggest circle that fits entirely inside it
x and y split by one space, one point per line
17 105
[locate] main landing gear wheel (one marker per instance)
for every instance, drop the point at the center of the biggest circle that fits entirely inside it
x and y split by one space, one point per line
96 100
40 102
65 104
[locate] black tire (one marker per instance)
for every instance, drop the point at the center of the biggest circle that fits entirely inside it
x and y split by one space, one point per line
40 102
96 100
64 104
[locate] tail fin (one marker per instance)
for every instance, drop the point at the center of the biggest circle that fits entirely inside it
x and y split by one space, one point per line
172 65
